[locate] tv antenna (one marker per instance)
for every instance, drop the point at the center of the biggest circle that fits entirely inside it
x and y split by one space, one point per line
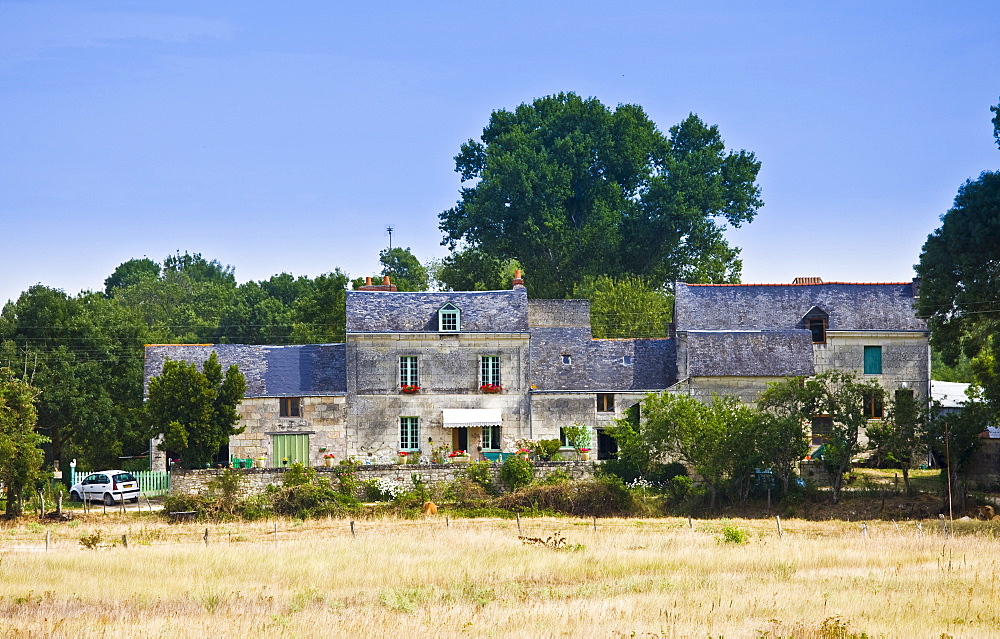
389 230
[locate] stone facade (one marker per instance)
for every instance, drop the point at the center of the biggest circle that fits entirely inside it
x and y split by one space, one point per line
727 340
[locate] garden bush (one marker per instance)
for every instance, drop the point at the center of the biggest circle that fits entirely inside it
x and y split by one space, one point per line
598 497
517 472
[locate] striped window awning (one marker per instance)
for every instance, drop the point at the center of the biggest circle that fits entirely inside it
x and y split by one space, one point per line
471 417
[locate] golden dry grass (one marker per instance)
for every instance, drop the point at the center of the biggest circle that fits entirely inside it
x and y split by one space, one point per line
648 578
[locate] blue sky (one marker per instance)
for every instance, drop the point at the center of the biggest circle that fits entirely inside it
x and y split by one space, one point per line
286 136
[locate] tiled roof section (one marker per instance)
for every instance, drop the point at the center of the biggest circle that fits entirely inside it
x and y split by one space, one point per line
599 365
481 312
270 371
851 307
749 354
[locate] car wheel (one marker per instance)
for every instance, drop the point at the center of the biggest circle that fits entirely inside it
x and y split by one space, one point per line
134 500
75 496
109 499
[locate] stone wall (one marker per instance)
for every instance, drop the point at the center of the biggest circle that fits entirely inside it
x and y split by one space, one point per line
322 418
905 358
256 480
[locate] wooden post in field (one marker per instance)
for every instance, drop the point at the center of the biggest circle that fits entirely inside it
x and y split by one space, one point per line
59 504
125 540
447 522
690 523
47 533
864 530
275 533
777 519
595 523
944 526
104 504
518 516
353 534
206 536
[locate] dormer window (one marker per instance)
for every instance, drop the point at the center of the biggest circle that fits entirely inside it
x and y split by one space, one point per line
567 359
449 319
816 320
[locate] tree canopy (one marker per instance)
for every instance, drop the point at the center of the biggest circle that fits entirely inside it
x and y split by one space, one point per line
573 190
20 446
194 411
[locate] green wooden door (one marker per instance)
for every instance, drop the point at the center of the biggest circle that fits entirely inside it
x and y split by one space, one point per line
294 448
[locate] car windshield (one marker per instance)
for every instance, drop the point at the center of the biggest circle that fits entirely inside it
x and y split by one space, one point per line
124 477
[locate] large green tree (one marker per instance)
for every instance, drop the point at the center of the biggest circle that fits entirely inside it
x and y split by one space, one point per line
84 354
627 306
21 455
573 190
194 411
471 269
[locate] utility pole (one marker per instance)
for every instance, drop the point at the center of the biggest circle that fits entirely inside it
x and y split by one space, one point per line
389 230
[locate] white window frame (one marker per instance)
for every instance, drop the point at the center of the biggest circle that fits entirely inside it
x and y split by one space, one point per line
409 433
489 370
409 372
491 438
449 319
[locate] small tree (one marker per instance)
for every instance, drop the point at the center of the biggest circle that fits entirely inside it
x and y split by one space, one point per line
955 437
901 436
579 435
785 408
194 410
21 456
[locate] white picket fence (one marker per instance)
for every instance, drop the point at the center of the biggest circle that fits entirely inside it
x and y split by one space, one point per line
152 483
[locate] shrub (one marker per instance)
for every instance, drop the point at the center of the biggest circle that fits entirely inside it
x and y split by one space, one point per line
546 449
298 475
224 490
480 473
558 476
517 472
467 493
314 500
598 497
198 504
381 489
733 535
346 473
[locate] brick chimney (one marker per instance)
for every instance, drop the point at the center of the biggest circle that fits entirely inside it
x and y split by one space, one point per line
386 285
518 281
807 280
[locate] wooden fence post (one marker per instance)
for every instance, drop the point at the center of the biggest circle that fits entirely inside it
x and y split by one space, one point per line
777 519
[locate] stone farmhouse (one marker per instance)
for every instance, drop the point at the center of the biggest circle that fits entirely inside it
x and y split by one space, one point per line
477 371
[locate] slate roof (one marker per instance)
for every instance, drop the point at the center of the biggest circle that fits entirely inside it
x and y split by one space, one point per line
597 365
271 371
395 312
851 307
749 353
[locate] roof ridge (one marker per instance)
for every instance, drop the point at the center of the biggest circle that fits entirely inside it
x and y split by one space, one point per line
812 284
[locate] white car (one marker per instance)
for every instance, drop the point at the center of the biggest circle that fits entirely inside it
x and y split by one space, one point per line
111 486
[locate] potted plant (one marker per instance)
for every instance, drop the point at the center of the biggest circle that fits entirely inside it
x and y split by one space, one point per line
491 389
584 454
328 459
259 462
458 457
401 457
525 452
409 389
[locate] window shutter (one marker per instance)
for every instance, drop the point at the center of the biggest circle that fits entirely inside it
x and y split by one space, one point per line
873 360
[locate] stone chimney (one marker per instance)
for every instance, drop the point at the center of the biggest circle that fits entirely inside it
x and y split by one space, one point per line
386 285
518 280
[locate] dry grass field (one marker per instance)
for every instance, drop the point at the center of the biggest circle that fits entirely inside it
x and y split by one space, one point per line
396 578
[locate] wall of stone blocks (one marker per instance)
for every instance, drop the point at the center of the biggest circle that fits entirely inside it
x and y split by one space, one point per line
746 389
551 411
449 368
324 419
905 357
256 480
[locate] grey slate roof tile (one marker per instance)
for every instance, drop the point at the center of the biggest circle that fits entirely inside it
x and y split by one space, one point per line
395 312
851 307
270 371
749 354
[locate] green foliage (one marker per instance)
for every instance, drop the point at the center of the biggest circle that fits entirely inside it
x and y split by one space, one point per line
131 273
901 437
84 354
628 306
467 493
473 270
314 500
346 474
298 474
517 472
579 435
546 449
679 487
20 446
573 190
599 497
961 372
480 472
734 535
558 476
960 292
996 123
194 410
403 269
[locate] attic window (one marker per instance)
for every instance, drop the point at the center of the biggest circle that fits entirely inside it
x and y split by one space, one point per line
818 328
567 359
627 360
449 319
289 407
